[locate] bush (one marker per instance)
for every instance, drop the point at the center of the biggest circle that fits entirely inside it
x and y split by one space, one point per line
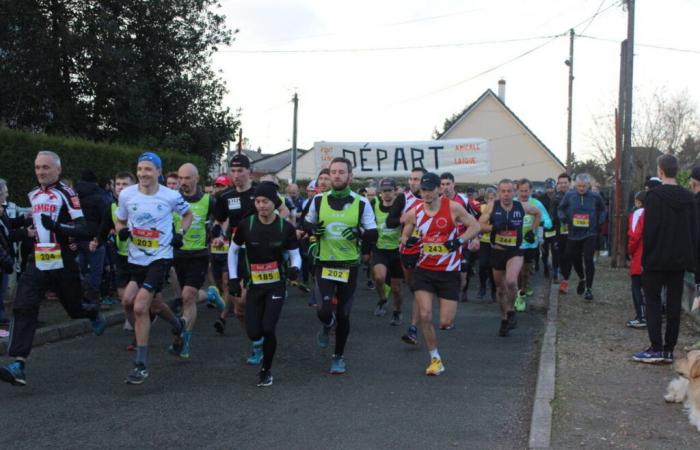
18 150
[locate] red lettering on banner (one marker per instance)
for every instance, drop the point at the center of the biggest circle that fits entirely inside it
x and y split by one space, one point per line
464 160
467 147
44 208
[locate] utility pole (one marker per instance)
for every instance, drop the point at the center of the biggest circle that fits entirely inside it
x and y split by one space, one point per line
295 100
240 140
626 166
570 63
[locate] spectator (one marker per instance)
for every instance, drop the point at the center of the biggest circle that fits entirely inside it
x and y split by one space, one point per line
669 246
295 199
635 227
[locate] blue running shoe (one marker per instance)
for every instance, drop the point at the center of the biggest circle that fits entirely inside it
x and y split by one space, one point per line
323 337
256 355
213 296
99 324
186 338
649 356
337 365
13 374
411 336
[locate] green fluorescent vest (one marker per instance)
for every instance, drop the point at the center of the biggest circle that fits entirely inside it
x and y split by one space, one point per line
122 246
196 236
388 237
334 247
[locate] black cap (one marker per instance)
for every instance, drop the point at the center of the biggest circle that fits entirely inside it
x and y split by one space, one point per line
430 181
695 173
387 184
268 189
240 161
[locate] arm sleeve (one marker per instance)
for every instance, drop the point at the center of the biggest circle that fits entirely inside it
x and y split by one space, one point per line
179 204
545 220
233 260
295 258
394 218
121 207
367 219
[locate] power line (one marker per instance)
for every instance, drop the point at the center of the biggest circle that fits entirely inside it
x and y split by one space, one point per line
598 11
658 47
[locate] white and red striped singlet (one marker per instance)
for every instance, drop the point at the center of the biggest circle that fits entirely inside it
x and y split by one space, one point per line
435 231
411 202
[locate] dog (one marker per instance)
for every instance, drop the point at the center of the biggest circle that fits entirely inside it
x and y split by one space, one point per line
686 387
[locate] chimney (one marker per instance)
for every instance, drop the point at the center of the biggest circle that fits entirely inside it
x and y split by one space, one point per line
502 90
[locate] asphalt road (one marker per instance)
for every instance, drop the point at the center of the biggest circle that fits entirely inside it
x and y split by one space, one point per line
76 396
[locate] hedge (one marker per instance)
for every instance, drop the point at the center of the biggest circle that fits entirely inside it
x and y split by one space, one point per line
18 150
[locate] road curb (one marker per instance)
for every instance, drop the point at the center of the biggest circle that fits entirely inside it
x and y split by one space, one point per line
541 423
67 330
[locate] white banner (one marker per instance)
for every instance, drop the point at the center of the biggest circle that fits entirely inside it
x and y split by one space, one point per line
388 159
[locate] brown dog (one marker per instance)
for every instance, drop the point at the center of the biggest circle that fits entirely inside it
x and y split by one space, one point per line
686 387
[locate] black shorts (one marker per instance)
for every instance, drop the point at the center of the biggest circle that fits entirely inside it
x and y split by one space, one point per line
443 284
530 254
191 271
409 261
389 259
219 265
152 276
499 257
122 276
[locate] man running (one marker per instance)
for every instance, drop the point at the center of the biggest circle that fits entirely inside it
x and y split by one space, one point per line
563 187
267 237
339 219
59 222
584 212
438 268
504 218
385 255
549 243
145 216
219 267
485 272
408 254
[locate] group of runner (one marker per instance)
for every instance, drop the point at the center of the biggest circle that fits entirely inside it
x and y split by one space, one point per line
428 236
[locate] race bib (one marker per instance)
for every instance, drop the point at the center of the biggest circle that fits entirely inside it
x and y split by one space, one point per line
507 238
434 249
219 249
581 220
48 256
335 274
550 233
145 239
264 273
234 203
415 233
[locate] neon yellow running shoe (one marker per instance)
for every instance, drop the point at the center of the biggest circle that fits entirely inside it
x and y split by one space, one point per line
520 303
435 368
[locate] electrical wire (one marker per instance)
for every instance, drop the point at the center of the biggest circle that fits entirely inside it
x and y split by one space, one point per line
636 44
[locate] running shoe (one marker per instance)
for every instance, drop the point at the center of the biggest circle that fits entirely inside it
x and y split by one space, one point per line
337 365
256 355
323 337
649 356
370 284
482 293
220 325
380 310
668 358
520 303
137 375
581 287
564 287
395 319
186 339
214 297
435 368
636 323
14 374
99 324
505 329
447 327
588 294
264 378
411 336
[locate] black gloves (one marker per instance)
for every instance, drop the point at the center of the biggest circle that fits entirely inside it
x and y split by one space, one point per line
124 234
529 237
453 244
413 240
318 229
293 273
48 223
178 241
351 234
234 287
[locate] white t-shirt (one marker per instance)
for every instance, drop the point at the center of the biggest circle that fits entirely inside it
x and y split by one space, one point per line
150 221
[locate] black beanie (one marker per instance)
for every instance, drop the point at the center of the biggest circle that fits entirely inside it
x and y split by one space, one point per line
268 190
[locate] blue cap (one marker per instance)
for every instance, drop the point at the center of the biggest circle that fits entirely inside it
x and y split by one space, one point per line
151 157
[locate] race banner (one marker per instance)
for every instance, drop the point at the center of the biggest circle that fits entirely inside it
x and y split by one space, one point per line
396 159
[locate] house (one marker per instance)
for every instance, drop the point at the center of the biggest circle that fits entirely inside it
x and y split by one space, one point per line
276 163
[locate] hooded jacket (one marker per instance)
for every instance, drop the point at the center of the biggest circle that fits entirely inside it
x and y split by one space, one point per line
670 236
92 202
590 206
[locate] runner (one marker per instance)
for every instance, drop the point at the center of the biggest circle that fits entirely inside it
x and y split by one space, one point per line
584 212
309 244
59 222
339 219
408 254
219 267
530 249
192 259
485 273
145 215
437 218
563 187
549 243
504 218
385 255
268 237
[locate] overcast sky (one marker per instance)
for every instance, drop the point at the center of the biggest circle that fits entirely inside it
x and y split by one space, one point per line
426 59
